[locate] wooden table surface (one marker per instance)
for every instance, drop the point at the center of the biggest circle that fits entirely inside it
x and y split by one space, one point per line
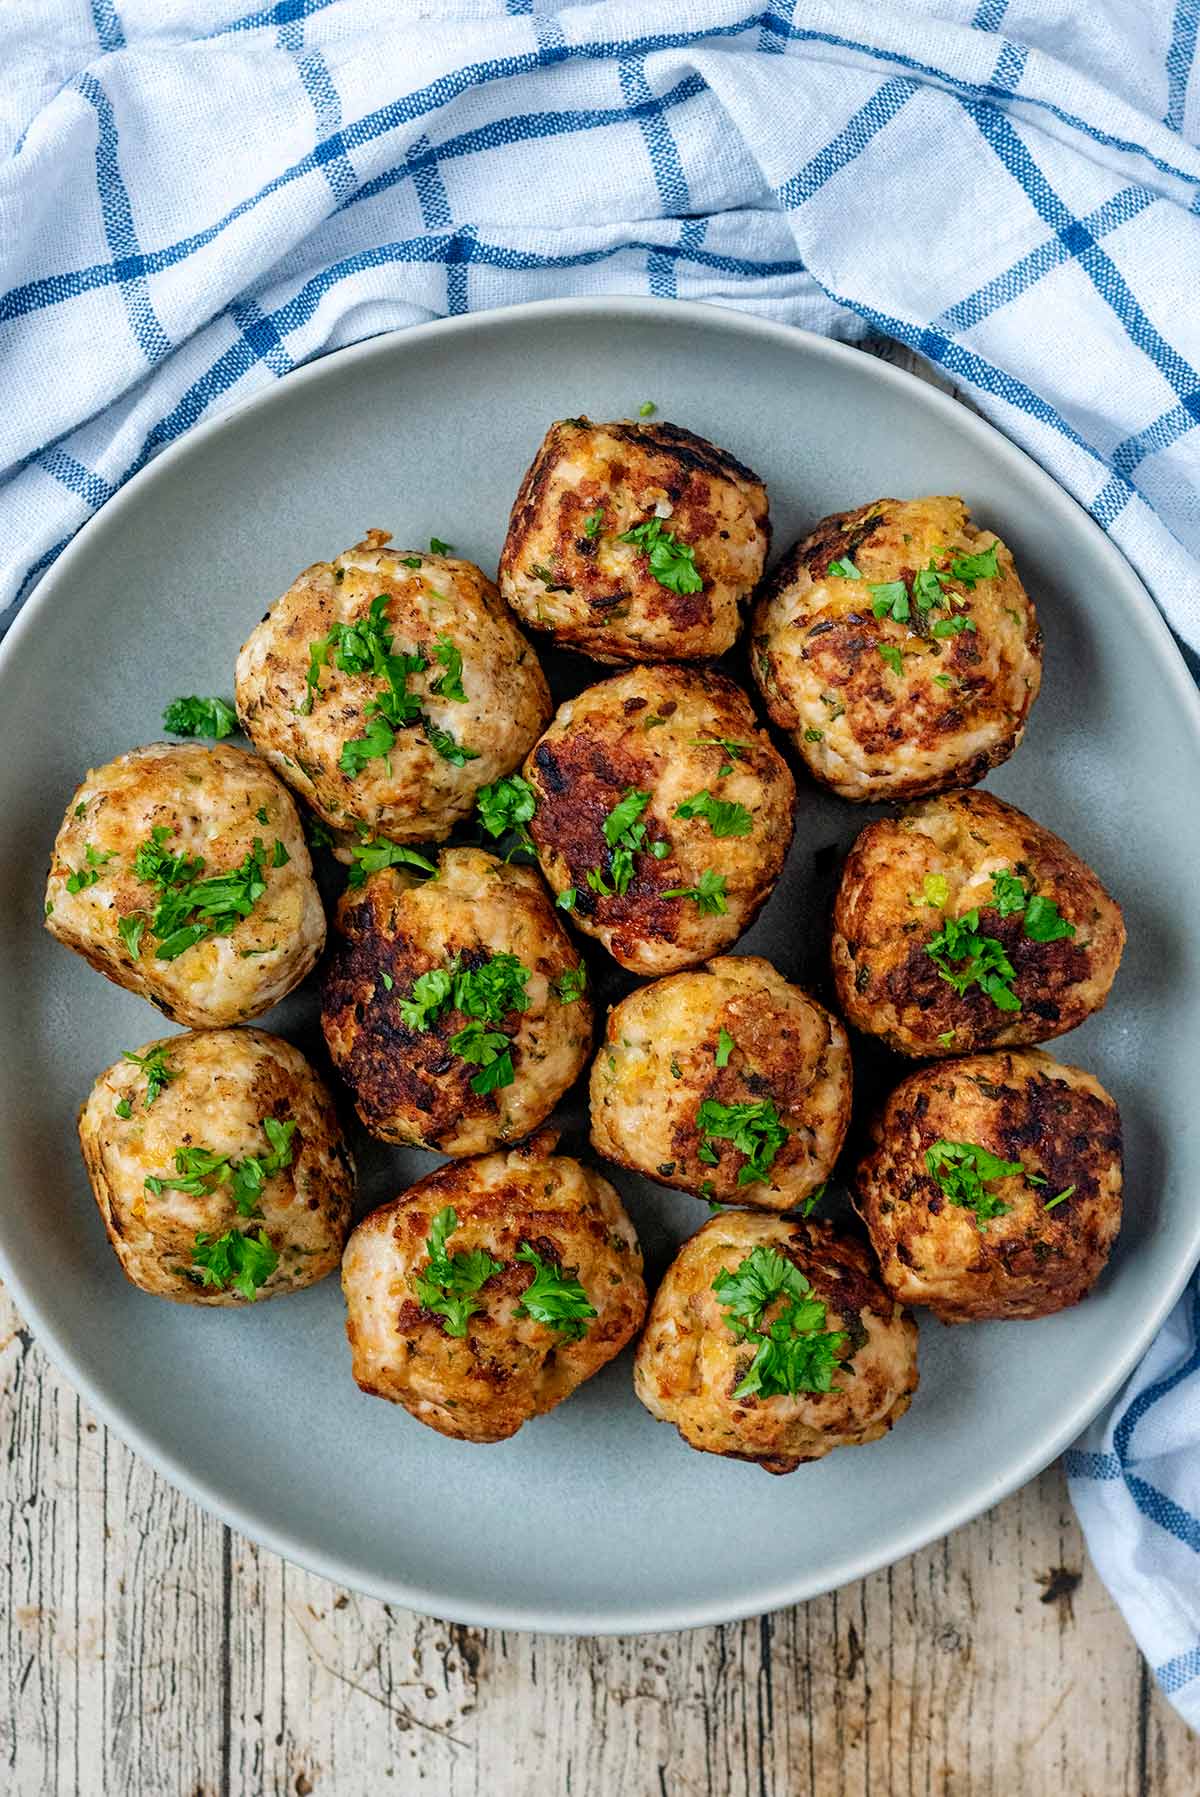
151 1652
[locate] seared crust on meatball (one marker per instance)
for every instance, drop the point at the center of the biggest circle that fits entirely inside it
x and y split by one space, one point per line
419 787
408 1085
676 734
907 875
896 706
690 1363
1045 1251
219 1086
507 1367
213 808
733 1034
565 570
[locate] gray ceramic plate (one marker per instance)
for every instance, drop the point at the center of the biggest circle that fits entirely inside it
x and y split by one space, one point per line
595 1518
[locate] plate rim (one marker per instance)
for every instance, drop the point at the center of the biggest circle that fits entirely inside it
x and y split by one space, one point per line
798 1588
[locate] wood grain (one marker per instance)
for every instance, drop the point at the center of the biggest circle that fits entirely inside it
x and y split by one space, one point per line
150 1652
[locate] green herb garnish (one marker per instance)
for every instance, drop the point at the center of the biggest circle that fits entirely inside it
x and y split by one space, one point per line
448 685
437 547
376 853
672 562
448 1285
154 1065
753 1128
553 1298
725 1047
725 817
239 1259
796 1352
964 959
843 569
889 599
893 656
625 836
961 1168
708 895
200 717
571 984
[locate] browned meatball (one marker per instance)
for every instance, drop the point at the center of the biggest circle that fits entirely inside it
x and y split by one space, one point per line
899 649
843 1372
663 814
488 1061
491 1289
727 1081
675 593
994 1186
962 924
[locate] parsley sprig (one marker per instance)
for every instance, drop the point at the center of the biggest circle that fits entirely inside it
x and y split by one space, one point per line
725 817
241 1259
154 1065
672 561
215 718
961 1169
200 1171
754 1129
625 836
964 959
448 1285
485 996
796 1351
1043 921
553 1297
189 909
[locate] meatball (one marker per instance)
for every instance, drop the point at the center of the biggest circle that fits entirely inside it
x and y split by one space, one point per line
962 924
634 542
899 649
455 1008
993 1188
388 686
181 873
491 1289
219 1167
729 1082
770 1340
663 814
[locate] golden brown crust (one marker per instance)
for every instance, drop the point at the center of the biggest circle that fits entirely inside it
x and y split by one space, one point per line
414 794
689 1364
659 1065
656 729
1059 1124
566 572
224 1082
507 1368
886 981
958 705
408 1087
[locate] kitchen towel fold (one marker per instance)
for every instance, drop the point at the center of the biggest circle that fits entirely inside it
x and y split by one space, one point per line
196 198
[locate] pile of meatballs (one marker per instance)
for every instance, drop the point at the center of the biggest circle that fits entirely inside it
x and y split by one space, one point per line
396 694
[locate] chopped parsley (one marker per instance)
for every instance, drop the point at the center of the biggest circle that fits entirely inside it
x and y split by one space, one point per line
437 547
448 1285
594 522
199 1171
964 959
961 1168
154 1065
1043 920
647 409
448 685
566 899
507 805
893 656
485 996
795 1350
318 833
571 984
753 1128
672 562
189 909
889 599
625 836
377 852
970 568
725 1047
93 860
814 1198
239 1259
708 895
1051 1202
554 1299
725 817
200 717
952 626
455 752
843 569
123 1109
727 743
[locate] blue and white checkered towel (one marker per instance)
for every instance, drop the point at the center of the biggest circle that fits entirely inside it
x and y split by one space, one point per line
195 198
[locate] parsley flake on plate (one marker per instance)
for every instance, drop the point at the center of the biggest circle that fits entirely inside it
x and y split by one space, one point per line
795 1350
753 1128
194 716
961 1169
241 1259
672 562
554 1298
725 817
448 1285
437 547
